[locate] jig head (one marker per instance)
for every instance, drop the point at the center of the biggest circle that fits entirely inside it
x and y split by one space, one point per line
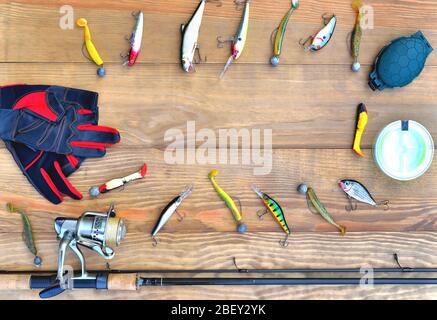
92 51
322 37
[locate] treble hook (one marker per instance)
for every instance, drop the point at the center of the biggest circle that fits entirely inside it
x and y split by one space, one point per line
326 18
200 57
221 43
396 257
135 14
303 42
238 4
284 242
353 205
385 204
154 242
261 216
180 216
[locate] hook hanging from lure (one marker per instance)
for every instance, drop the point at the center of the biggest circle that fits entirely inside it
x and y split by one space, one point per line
230 203
313 200
190 36
362 120
356 190
277 212
356 35
119 182
27 233
92 51
168 211
280 33
135 40
238 41
322 37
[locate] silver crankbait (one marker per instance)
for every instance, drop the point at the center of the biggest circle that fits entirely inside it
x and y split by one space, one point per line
321 38
356 190
168 211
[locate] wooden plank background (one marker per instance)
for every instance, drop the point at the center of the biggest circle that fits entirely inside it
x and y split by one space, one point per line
309 101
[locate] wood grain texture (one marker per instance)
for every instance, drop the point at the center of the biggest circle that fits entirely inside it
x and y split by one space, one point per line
309 102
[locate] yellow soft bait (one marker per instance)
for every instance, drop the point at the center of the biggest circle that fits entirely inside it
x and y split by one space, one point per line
92 51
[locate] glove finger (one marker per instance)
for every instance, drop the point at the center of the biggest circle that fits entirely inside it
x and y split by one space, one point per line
87 116
88 149
98 134
59 183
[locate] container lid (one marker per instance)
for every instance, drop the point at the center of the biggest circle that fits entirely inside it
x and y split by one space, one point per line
404 150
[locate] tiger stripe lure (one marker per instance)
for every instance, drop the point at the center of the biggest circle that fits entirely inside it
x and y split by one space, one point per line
277 212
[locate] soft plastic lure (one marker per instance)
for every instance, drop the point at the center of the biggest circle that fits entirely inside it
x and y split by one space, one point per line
190 35
356 35
280 33
359 192
136 40
322 37
119 182
362 119
241 228
169 210
92 51
277 212
27 233
239 40
320 208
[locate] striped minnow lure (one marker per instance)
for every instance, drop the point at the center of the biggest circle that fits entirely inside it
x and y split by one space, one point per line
322 37
320 208
277 212
88 43
280 33
362 119
242 228
190 35
136 39
169 210
239 40
356 35
359 192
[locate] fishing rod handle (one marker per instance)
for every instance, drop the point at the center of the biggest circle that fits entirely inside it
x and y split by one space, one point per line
14 282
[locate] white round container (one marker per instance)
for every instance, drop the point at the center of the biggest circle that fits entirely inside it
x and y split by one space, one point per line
404 150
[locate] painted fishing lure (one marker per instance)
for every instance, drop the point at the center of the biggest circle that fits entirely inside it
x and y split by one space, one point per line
359 192
169 210
277 212
356 35
322 37
92 51
280 33
241 228
320 208
362 119
135 39
118 183
190 35
239 40
27 233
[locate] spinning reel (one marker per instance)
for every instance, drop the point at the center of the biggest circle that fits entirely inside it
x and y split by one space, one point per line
100 232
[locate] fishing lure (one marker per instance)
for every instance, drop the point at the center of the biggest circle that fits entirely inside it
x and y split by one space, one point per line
313 200
168 211
238 41
241 227
27 233
135 40
356 35
322 37
356 190
362 119
280 33
190 35
92 51
277 212
120 182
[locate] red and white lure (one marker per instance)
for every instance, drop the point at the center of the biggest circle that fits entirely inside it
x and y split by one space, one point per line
118 183
135 40
322 37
